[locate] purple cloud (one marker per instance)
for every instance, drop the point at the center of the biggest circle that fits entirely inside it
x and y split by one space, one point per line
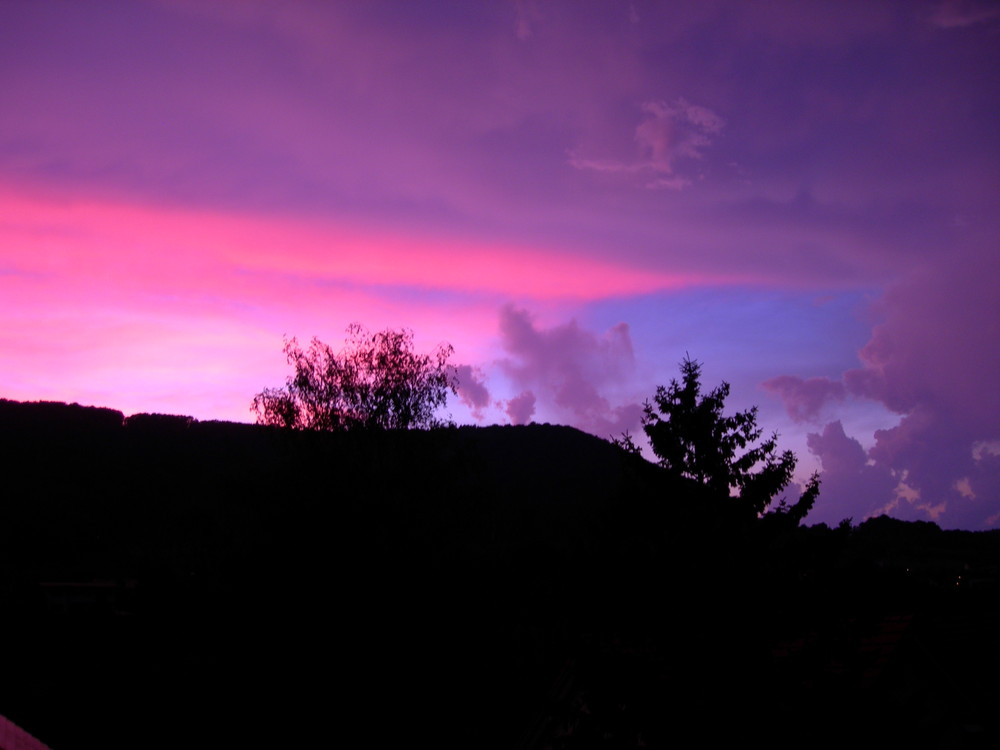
666 134
566 368
934 360
521 408
851 486
472 390
672 131
804 398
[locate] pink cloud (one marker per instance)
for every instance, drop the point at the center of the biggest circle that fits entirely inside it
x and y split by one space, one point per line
666 133
141 244
672 131
144 309
571 371
246 120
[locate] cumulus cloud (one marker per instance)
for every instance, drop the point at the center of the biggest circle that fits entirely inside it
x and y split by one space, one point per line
851 486
935 361
804 398
521 408
569 371
666 134
472 390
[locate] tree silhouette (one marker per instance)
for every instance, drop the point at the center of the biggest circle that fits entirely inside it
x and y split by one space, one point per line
376 382
692 438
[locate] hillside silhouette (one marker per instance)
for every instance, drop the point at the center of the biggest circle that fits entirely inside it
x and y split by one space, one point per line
167 582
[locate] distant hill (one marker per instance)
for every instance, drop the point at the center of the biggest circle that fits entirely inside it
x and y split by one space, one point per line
239 547
168 582
109 482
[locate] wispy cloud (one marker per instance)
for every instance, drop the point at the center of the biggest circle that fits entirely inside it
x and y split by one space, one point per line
956 14
666 135
527 15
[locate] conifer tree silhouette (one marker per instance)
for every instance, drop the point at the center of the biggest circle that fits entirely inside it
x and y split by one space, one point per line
693 438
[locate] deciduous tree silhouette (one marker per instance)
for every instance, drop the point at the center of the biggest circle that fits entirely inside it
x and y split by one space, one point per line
376 382
692 438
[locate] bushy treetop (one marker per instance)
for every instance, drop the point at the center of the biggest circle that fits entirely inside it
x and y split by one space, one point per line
377 381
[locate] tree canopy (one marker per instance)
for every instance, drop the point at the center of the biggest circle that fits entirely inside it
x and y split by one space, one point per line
377 381
692 438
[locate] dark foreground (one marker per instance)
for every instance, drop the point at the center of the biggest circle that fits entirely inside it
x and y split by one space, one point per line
166 583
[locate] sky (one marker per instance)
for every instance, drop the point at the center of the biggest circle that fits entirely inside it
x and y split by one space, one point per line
803 196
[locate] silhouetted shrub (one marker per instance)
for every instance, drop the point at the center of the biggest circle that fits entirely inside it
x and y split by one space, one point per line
377 381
